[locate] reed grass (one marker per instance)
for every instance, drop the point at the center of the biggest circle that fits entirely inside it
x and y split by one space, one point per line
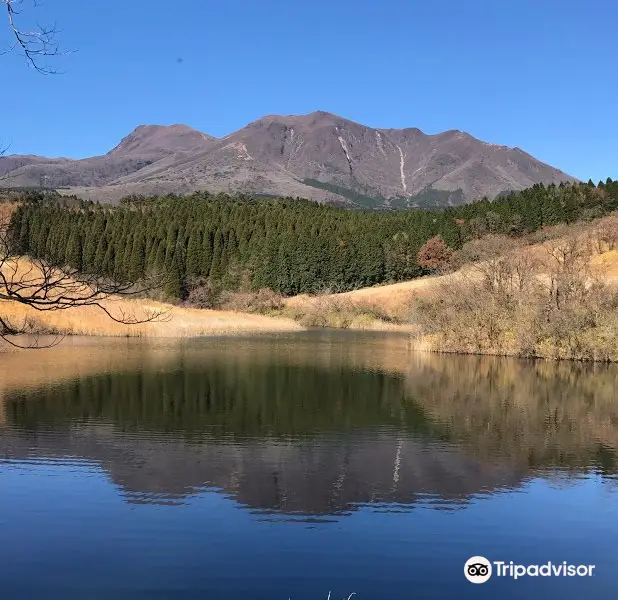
178 323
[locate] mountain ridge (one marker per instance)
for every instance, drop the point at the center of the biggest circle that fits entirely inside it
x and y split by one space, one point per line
319 155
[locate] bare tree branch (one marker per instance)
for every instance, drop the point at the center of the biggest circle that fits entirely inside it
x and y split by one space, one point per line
34 44
45 287
41 285
11 333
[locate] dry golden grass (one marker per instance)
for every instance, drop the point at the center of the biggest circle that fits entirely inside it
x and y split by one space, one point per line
608 261
6 210
177 322
343 311
380 308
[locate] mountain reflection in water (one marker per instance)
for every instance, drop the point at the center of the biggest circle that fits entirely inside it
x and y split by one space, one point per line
308 426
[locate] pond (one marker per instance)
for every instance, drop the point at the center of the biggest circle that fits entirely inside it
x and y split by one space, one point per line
298 465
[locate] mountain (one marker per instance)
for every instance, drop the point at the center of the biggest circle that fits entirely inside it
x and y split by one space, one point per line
147 145
319 156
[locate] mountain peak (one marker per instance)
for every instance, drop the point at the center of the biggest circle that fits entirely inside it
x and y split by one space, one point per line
313 119
162 138
326 116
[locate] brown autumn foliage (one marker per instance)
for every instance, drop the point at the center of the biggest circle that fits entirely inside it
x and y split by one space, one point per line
203 294
435 255
604 235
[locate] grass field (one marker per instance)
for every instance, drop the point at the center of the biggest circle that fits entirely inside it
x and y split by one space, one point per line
174 322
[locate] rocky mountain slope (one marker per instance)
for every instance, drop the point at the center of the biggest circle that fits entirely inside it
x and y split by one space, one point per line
319 156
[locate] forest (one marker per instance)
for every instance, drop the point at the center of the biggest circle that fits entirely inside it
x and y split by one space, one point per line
291 246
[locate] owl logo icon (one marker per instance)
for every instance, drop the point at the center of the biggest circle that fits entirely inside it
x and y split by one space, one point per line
477 569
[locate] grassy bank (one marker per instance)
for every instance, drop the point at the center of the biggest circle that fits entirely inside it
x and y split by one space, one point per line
176 321
172 321
556 300
208 314
345 312
368 309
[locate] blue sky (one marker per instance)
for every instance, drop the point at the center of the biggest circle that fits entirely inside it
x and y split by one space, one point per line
541 75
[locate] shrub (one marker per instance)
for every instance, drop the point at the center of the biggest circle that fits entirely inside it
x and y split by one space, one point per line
262 302
557 307
203 294
434 255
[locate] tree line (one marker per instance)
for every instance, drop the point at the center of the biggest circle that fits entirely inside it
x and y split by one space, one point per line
289 245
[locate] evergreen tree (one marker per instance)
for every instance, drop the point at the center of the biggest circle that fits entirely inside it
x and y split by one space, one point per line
194 253
74 250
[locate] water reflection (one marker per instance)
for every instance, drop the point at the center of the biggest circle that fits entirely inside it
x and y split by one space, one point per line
540 414
309 426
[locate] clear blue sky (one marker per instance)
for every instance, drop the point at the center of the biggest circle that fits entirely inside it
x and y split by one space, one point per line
538 74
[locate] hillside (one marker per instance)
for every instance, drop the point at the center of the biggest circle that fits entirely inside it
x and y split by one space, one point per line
391 307
527 266
396 299
319 156
232 243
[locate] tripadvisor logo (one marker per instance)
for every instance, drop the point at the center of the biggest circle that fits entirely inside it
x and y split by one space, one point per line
478 569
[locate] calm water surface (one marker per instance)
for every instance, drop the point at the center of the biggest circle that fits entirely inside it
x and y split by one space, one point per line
298 465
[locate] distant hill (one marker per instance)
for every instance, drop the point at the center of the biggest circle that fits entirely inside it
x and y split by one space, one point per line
319 156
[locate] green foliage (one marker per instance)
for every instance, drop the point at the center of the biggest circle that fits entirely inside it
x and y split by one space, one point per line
357 199
290 246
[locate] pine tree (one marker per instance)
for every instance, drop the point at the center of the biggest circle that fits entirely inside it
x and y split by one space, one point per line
217 268
207 244
98 265
176 286
137 264
74 250
194 253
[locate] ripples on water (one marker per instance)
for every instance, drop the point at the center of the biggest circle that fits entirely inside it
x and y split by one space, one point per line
297 465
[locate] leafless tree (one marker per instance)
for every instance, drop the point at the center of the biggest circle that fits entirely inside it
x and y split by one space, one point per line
525 266
36 283
37 42
570 277
45 287
604 235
